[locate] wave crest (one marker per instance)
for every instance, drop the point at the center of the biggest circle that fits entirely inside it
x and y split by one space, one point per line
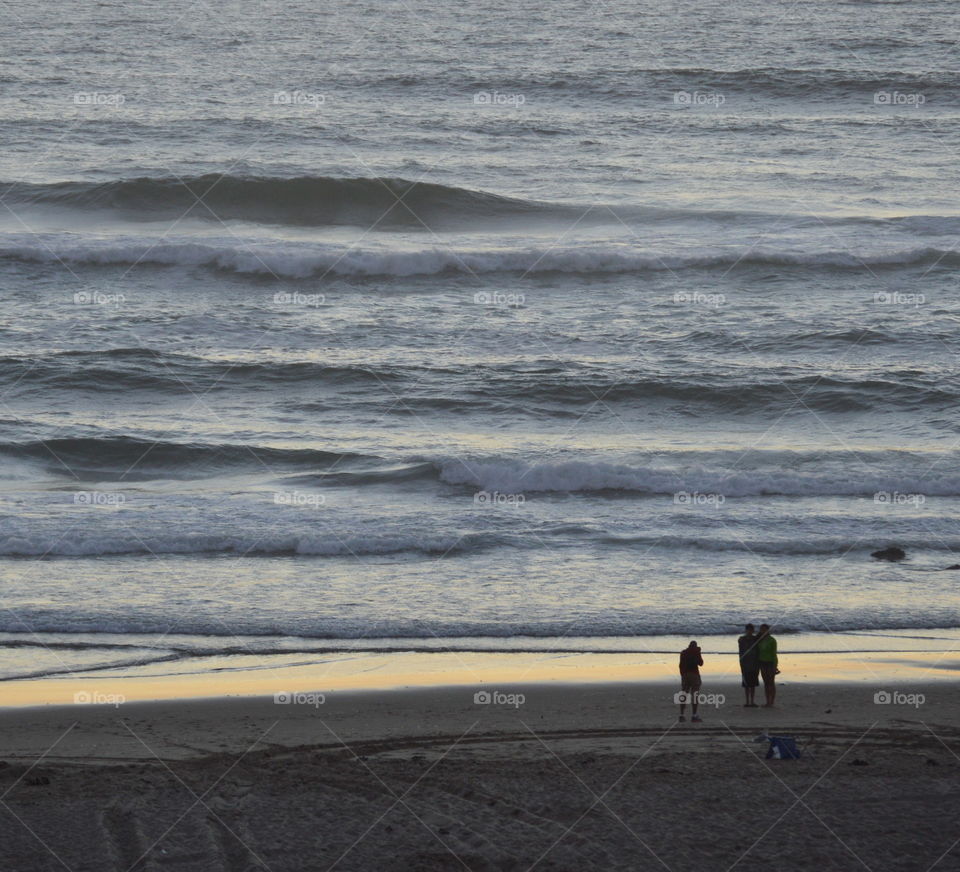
309 201
305 260
134 457
577 476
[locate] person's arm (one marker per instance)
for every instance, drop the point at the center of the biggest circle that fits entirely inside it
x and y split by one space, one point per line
773 651
699 660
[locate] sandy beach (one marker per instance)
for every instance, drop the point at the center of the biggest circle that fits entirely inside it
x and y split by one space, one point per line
392 391
532 776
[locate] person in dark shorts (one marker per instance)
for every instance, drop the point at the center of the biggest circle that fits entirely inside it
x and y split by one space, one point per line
749 665
690 663
769 663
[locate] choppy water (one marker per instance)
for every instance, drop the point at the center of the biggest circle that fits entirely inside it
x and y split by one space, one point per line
398 320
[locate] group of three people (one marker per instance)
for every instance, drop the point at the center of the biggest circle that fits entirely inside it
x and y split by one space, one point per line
758 659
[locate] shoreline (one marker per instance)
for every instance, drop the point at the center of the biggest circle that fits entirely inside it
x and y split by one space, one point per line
426 673
252 675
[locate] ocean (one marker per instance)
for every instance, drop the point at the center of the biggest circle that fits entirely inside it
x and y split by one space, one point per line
429 325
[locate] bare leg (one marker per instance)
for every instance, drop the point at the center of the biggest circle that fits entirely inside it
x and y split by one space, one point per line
768 690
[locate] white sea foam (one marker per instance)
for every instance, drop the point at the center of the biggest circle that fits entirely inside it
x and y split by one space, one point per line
302 260
508 476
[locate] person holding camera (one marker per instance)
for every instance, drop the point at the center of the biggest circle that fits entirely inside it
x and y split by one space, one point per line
690 663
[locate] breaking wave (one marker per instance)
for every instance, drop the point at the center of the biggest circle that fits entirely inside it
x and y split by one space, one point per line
301 260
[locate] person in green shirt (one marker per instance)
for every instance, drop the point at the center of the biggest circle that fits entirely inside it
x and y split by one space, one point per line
767 651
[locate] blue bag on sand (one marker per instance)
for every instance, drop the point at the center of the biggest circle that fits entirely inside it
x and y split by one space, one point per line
782 748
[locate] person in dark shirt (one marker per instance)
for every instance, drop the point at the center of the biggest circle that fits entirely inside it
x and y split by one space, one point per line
749 665
690 663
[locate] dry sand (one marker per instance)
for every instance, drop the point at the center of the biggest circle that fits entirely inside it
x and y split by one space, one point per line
588 776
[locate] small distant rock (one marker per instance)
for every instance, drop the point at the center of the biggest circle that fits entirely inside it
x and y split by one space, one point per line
955 566
893 554
859 762
932 762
